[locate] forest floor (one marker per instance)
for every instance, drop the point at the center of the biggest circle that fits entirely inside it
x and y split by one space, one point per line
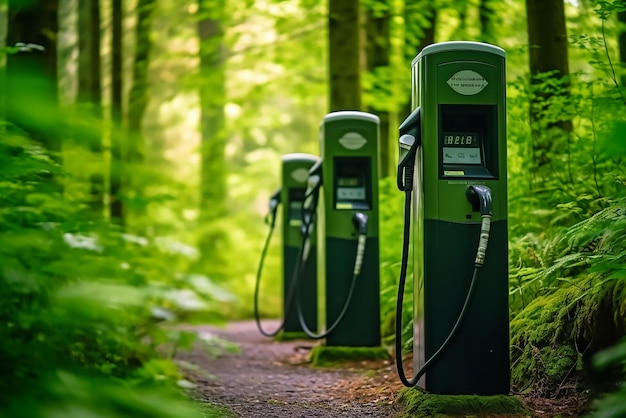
267 378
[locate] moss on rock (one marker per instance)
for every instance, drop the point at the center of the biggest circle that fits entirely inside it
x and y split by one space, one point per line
329 356
290 336
550 336
416 403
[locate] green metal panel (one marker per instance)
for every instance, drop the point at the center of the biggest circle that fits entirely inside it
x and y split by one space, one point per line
295 172
349 144
461 90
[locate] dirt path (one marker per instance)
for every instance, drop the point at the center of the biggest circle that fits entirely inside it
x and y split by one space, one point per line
273 379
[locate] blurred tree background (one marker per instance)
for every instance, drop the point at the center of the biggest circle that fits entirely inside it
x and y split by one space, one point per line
142 139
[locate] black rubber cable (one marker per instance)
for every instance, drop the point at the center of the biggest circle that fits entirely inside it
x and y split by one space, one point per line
290 292
301 264
400 300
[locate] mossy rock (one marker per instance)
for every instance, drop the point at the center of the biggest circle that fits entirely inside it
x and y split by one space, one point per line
291 336
547 335
416 403
330 356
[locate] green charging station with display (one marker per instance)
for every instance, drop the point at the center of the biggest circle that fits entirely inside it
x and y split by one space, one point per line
294 176
295 173
453 170
347 222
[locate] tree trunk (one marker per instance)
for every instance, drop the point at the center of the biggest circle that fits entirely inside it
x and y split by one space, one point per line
117 167
621 19
213 191
378 67
487 17
413 14
345 55
31 89
90 95
547 39
138 96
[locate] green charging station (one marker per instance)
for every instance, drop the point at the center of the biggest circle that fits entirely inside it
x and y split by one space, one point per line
295 173
457 134
298 277
348 227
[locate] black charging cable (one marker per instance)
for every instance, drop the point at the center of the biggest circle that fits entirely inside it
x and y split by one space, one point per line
270 219
480 197
309 210
359 220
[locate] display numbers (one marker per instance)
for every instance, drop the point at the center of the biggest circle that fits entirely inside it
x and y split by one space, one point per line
459 140
348 181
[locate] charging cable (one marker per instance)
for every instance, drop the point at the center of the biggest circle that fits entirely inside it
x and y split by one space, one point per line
480 198
359 221
270 219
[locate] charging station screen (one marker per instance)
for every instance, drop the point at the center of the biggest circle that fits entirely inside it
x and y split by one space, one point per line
351 183
461 148
294 212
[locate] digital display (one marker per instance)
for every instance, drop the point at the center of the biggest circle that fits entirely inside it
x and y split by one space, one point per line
348 181
461 140
294 209
351 193
351 184
461 148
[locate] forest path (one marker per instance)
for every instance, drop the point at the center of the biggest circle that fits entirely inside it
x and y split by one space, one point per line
273 379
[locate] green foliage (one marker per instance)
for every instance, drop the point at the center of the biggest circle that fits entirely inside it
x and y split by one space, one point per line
577 293
90 311
611 405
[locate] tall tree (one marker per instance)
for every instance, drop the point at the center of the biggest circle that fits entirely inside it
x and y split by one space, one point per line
31 88
90 92
378 18
621 19
345 54
116 209
213 191
138 96
420 23
487 17
547 40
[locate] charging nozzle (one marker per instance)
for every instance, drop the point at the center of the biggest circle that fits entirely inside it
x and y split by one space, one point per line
480 198
409 141
270 219
359 220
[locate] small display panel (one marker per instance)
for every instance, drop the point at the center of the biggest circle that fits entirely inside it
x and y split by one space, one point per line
351 186
461 148
294 209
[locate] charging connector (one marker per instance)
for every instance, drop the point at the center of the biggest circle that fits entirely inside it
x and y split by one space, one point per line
359 220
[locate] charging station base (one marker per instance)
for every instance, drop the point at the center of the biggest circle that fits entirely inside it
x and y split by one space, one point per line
417 403
291 336
329 356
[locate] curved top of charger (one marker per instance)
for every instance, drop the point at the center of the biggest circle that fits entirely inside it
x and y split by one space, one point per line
458 46
299 156
351 114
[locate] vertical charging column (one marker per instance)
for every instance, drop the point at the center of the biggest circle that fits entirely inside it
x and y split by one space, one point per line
295 173
460 89
349 148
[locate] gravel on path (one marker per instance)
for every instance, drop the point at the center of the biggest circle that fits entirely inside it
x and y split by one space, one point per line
267 378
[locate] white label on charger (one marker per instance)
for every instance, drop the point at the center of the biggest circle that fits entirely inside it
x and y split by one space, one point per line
300 175
467 82
352 141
